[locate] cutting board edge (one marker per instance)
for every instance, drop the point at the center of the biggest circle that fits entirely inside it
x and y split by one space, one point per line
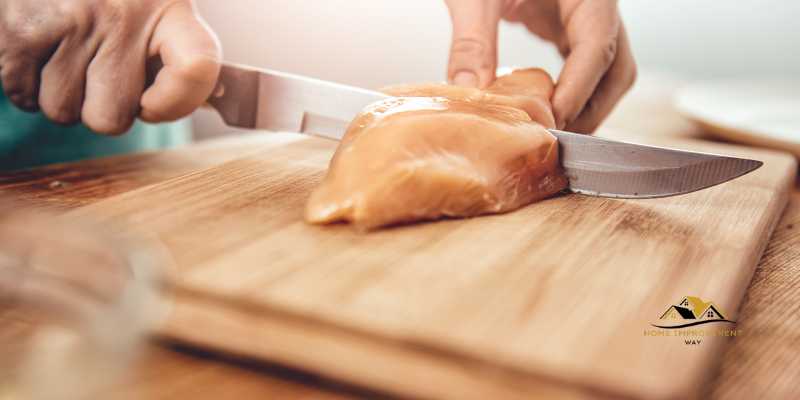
199 309
782 202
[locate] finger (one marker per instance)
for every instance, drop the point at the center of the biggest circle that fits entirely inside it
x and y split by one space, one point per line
592 35
541 17
473 52
114 84
20 78
612 88
191 56
29 35
63 80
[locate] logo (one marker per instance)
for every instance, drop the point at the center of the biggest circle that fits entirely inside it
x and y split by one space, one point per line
690 311
681 320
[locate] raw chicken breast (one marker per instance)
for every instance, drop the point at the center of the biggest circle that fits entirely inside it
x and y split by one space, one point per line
443 151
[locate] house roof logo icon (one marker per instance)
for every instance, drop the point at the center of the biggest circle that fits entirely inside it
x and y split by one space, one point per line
690 311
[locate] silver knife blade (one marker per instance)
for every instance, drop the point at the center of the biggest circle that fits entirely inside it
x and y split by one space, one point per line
608 168
253 98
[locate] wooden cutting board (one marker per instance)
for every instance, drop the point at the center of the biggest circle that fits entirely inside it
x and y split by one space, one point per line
554 300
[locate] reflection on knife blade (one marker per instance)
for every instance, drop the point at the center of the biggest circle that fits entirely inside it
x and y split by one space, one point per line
607 168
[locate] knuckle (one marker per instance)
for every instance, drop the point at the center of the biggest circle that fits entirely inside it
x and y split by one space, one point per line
22 32
118 16
72 10
473 47
76 16
608 52
199 68
469 44
29 28
20 89
604 50
59 103
61 113
107 126
59 100
108 122
117 11
22 101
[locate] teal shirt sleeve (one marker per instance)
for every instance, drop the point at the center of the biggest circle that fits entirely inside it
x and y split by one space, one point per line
28 140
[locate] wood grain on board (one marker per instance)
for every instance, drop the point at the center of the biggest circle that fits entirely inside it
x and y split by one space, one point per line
67 185
554 298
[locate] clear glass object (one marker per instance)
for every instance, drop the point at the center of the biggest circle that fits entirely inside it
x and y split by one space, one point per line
77 300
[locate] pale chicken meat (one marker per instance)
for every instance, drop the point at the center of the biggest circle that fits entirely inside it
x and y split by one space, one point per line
437 151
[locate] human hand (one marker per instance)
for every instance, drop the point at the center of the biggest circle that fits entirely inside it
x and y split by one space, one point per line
599 66
86 60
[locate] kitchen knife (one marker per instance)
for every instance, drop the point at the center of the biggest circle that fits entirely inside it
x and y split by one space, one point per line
254 98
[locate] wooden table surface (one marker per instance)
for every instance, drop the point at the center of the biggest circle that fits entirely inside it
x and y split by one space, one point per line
763 362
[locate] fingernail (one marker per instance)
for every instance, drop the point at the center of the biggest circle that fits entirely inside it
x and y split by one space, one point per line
466 79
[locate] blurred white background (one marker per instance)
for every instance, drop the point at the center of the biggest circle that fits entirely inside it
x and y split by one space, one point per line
378 42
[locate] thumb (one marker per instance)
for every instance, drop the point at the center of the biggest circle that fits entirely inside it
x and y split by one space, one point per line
473 53
191 59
